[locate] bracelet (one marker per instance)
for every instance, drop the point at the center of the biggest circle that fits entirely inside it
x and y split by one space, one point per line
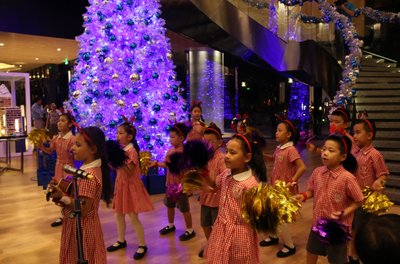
304 194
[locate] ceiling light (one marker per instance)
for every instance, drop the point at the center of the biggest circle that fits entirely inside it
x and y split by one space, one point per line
36 58
1 44
59 49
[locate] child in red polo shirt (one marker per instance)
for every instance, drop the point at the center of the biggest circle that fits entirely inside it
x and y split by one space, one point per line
336 195
372 171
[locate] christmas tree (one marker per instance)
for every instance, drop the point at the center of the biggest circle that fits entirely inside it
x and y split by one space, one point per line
124 69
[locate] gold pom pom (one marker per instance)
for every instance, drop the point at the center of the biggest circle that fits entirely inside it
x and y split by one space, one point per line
265 207
144 158
375 202
37 136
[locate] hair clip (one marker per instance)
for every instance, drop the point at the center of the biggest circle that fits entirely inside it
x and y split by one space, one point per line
82 132
362 115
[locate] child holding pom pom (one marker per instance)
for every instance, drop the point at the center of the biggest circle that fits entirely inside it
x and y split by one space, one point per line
174 196
336 196
130 195
210 200
372 171
288 167
62 144
232 240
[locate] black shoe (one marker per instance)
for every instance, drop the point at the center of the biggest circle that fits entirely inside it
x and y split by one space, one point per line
270 242
167 230
186 236
116 246
58 222
140 255
201 254
282 254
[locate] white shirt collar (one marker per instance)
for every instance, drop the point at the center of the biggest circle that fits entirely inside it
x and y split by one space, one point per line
128 147
93 164
286 145
243 175
66 136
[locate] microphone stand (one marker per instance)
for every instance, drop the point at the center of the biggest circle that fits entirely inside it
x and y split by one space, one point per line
77 215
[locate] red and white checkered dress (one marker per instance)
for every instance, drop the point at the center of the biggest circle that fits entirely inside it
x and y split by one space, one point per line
170 177
233 241
371 165
334 190
130 195
93 243
215 166
63 146
284 168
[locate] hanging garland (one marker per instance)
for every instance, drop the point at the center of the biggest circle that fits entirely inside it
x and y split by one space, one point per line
352 60
380 16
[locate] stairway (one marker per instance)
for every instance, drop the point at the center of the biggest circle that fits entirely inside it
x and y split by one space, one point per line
378 92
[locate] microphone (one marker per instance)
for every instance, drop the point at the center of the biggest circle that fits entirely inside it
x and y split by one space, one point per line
78 172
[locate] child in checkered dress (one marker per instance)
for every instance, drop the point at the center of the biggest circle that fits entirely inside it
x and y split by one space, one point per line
232 240
372 171
62 144
130 195
89 147
336 195
210 200
288 167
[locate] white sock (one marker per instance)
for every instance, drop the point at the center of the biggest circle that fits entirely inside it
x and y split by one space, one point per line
190 230
171 225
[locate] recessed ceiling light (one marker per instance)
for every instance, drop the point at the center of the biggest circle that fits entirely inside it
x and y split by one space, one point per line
36 58
1 44
59 49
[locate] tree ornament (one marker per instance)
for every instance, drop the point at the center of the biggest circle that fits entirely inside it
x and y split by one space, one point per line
134 77
115 76
120 103
108 60
76 94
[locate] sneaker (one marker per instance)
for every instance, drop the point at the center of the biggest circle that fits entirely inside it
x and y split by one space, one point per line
58 222
283 254
167 230
269 241
116 246
201 254
138 255
186 236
